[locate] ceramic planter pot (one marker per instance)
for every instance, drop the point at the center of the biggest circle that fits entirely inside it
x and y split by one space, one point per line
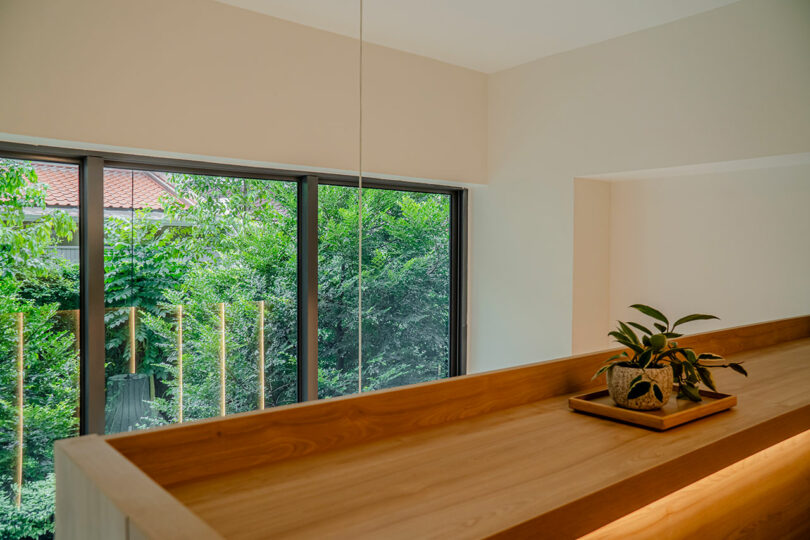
619 378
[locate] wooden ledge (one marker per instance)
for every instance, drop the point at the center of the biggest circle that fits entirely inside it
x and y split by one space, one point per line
489 454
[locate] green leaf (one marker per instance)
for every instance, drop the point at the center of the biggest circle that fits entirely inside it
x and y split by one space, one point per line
694 317
661 327
738 368
621 355
645 358
691 373
620 338
672 335
638 390
651 312
602 370
641 327
627 331
709 356
691 392
657 391
634 381
706 377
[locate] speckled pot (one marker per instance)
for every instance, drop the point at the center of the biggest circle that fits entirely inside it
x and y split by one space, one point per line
619 378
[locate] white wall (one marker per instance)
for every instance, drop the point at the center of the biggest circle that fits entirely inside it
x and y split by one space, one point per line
728 84
200 78
733 244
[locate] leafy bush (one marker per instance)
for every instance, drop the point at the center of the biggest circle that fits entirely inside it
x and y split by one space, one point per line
34 518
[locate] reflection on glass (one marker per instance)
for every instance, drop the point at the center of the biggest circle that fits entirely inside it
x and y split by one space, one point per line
39 347
406 289
200 284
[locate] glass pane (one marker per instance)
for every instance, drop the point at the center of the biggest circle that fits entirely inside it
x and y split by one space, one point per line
406 289
39 347
337 291
200 286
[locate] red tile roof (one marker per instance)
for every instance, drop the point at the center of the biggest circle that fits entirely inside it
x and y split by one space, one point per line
120 186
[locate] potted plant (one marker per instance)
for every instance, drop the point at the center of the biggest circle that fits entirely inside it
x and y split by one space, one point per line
643 376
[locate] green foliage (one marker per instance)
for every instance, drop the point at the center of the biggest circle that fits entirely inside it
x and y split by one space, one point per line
654 350
25 243
34 518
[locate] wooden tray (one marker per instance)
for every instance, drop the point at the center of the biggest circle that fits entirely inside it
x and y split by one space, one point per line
674 413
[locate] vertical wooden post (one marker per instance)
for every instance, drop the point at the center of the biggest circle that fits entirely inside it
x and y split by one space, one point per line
222 359
261 354
132 364
20 418
180 361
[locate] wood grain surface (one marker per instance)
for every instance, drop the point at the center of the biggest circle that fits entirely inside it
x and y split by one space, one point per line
533 470
485 455
100 495
253 439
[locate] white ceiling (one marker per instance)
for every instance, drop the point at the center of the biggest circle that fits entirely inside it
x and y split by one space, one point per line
485 35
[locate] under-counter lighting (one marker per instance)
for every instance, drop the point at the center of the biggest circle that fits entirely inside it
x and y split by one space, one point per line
770 482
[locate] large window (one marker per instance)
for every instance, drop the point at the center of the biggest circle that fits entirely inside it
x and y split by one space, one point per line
183 291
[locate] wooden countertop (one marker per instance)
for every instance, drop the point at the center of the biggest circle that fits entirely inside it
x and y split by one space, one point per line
530 468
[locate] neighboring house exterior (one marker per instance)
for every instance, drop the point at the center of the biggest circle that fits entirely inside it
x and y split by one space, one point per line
125 192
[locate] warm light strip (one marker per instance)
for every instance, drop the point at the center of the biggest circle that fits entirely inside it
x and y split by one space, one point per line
180 361
132 339
261 354
20 419
718 501
222 359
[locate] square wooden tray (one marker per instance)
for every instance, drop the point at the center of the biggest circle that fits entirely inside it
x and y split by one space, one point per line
674 413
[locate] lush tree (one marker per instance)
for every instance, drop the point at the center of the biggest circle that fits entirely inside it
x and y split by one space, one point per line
26 243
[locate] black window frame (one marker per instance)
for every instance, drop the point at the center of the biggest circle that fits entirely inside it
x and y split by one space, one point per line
91 289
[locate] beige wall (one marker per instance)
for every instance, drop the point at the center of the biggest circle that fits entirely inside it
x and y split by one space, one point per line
201 78
733 244
592 250
724 85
